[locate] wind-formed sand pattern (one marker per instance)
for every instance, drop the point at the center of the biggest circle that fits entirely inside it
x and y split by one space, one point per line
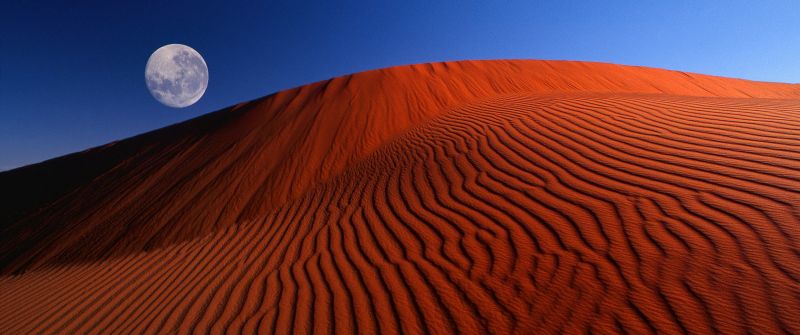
462 197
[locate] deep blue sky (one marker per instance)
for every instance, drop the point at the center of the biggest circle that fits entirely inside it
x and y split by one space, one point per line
72 72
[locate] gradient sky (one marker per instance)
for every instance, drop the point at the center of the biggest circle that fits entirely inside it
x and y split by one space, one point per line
72 72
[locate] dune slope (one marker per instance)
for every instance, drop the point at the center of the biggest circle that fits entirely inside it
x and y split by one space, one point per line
473 197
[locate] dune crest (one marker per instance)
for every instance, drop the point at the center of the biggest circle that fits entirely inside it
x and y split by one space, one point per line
472 197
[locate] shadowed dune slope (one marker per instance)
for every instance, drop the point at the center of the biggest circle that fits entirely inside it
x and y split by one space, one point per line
474 197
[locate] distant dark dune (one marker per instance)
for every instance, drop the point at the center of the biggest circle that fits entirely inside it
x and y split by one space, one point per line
464 197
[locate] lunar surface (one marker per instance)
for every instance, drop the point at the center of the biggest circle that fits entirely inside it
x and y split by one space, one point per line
472 197
176 75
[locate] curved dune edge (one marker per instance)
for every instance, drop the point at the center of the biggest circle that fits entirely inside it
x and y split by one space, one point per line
516 212
190 179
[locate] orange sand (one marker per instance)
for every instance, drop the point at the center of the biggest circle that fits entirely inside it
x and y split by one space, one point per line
474 197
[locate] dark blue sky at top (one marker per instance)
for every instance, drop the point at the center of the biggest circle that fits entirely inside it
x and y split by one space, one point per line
72 72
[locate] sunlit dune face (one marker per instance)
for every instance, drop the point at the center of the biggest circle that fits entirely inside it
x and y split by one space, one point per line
486 197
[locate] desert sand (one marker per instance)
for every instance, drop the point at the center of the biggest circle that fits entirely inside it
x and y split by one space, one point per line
472 197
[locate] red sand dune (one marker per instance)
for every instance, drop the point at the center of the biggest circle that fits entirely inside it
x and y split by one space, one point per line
474 197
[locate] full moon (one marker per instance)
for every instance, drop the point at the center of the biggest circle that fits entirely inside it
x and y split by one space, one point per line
176 75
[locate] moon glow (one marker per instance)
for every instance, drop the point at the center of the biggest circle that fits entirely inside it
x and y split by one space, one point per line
176 75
